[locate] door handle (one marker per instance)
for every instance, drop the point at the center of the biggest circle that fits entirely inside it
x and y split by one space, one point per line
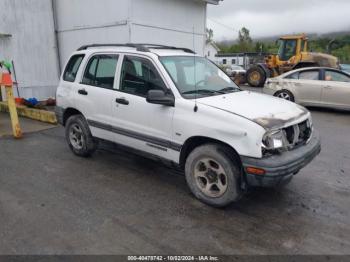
122 101
328 87
82 92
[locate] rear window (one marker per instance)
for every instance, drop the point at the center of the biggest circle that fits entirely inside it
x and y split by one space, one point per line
72 68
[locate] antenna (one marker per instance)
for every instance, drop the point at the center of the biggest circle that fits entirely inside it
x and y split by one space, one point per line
195 73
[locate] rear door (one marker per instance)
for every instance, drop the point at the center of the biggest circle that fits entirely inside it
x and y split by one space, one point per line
308 87
95 92
336 89
66 91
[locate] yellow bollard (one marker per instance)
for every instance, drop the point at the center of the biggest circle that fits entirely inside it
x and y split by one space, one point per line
6 81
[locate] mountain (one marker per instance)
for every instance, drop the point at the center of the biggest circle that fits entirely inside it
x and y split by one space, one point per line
265 39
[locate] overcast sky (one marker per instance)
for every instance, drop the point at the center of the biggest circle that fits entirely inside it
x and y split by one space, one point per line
275 17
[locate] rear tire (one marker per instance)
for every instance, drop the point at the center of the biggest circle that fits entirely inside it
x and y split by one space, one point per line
79 137
213 175
286 95
256 76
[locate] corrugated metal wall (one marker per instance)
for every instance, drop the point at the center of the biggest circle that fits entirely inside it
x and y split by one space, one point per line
168 22
32 45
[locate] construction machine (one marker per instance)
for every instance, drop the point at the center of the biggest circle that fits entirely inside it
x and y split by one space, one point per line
292 54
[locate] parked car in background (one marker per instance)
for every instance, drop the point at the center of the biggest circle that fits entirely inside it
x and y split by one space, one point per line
345 68
175 105
235 70
325 87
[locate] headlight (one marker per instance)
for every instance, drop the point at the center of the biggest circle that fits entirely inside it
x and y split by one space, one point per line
273 140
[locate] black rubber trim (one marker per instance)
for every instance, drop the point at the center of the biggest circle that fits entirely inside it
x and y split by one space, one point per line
59 111
146 138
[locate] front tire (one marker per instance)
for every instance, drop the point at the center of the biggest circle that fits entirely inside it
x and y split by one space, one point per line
213 175
286 95
256 76
79 137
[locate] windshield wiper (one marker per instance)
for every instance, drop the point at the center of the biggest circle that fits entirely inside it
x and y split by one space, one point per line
203 91
229 89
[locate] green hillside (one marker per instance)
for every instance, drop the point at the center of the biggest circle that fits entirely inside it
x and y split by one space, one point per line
340 46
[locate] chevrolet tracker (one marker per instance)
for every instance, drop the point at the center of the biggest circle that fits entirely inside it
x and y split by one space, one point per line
178 106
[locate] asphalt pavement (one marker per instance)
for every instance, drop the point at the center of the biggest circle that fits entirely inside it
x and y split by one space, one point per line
52 202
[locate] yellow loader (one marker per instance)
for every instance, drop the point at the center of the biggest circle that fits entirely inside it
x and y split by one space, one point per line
292 54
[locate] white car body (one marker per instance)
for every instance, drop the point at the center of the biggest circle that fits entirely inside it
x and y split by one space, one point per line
318 92
239 120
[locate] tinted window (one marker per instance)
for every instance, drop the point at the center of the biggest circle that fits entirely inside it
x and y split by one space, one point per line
72 68
309 75
100 71
336 76
139 76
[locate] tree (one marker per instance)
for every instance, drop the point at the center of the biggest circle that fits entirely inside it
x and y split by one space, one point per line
210 35
244 40
244 36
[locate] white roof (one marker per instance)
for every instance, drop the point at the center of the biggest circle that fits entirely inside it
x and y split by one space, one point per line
158 52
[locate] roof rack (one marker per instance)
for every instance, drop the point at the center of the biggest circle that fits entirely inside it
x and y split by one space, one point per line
155 46
139 47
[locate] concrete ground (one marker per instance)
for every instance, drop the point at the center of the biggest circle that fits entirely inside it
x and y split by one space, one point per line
27 125
52 202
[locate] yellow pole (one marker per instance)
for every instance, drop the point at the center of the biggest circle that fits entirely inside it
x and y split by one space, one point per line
7 82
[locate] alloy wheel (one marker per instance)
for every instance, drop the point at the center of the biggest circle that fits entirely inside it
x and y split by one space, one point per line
76 136
284 95
210 178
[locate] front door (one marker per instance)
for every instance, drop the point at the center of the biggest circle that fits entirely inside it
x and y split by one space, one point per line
137 123
309 87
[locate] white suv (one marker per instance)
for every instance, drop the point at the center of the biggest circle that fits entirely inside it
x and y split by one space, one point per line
176 105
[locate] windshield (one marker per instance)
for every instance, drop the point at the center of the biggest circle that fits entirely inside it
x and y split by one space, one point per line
287 49
197 76
345 67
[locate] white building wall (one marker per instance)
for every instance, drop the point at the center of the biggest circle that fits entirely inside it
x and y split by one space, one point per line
32 46
210 52
232 60
168 22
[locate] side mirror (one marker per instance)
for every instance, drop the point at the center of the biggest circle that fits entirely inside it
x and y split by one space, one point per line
159 97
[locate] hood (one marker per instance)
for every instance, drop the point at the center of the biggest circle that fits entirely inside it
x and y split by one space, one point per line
267 111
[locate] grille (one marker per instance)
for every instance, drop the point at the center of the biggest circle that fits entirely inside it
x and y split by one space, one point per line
298 134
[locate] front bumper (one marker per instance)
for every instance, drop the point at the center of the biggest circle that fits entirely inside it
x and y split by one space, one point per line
279 169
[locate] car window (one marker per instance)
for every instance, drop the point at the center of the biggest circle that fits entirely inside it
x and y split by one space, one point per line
100 71
293 76
171 67
336 76
309 75
139 76
72 68
197 76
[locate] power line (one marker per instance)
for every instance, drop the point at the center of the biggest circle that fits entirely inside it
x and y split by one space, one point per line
222 24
